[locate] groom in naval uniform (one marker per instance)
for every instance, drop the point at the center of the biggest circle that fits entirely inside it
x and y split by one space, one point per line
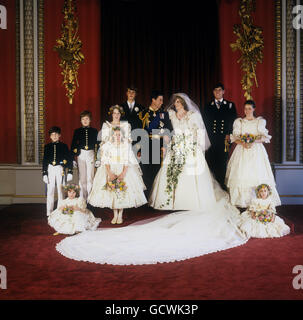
157 125
219 116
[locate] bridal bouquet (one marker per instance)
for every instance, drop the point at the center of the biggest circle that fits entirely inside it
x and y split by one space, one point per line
264 216
116 185
67 210
248 138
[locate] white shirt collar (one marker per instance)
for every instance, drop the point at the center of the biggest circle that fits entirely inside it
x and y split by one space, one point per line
131 104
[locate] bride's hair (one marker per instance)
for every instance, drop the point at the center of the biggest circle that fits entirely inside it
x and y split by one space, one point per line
182 101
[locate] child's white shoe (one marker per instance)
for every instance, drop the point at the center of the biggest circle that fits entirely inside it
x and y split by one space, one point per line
120 220
114 220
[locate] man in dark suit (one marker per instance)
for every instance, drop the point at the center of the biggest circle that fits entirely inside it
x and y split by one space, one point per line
219 116
131 108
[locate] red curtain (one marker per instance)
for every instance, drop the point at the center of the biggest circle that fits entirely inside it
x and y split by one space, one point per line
231 73
173 48
8 129
58 111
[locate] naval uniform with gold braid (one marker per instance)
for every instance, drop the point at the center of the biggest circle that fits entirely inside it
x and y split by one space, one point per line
84 145
56 157
219 118
157 124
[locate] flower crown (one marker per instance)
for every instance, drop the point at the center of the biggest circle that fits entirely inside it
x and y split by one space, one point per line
261 186
71 186
112 108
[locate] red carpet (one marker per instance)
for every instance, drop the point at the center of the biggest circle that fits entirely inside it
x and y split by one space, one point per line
260 269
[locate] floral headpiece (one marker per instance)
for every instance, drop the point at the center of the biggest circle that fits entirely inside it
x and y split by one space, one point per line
117 128
116 106
71 186
261 186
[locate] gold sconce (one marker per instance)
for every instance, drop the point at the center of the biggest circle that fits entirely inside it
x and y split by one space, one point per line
250 43
69 49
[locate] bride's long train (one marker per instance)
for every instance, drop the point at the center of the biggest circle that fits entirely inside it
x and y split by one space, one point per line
173 237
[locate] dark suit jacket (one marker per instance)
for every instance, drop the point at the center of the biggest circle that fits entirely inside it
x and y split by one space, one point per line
132 116
219 122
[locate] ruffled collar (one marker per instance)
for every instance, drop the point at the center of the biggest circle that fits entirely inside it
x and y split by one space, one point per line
253 120
186 117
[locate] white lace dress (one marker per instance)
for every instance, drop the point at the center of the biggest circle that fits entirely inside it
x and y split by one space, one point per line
116 156
256 229
177 236
77 222
248 168
194 188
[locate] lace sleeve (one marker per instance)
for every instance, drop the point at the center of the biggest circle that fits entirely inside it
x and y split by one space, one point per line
105 154
253 205
126 127
236 130
263 132
105 132
81 204
197 124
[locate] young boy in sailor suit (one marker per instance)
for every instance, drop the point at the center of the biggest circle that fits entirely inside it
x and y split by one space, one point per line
84 146
56 157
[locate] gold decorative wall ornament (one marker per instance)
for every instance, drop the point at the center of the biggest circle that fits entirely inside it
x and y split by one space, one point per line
250 43
69 49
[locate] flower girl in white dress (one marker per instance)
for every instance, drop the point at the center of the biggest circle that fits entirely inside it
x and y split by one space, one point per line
260 220
118 183
249 165
72 216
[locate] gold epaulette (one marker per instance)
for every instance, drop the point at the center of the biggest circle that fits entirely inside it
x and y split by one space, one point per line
145 119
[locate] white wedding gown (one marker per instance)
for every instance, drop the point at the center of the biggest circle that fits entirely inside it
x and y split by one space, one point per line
173 237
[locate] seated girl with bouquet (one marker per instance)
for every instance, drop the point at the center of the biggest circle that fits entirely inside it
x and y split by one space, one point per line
118 182
260 219
249 164
72 216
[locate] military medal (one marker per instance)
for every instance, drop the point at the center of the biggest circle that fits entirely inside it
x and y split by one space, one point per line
86 147
54 163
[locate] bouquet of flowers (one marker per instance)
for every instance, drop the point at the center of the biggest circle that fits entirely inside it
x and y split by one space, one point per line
116 185
67 210
248 138
264 216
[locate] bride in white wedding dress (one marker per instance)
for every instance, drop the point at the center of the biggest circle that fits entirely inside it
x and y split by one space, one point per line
208 227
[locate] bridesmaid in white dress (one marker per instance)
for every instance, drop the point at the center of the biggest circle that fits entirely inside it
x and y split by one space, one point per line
260 219
72 216
249 165
117 162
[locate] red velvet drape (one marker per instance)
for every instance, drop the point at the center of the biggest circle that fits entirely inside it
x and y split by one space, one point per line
231 73
169 46
8 130
57 109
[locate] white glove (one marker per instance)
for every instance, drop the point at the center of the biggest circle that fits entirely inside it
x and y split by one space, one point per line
69 177
45 179
75 165
97 163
